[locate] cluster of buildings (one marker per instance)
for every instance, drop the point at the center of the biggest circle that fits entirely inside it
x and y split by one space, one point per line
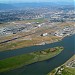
13 29
71 64
66 31
54 14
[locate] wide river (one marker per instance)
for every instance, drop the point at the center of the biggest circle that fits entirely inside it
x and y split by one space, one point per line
43 67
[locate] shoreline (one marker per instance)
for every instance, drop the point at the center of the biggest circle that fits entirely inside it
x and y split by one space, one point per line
63 66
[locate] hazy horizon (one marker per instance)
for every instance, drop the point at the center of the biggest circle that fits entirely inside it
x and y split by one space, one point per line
28 1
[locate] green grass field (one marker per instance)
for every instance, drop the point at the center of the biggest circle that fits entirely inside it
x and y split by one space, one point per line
68 71
41 20
25 59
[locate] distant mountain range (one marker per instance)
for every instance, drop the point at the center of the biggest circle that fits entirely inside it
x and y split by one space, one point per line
21 5
6 6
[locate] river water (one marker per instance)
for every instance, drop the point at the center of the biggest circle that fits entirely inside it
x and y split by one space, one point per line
43 67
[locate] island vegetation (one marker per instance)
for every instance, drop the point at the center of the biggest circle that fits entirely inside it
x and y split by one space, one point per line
29 58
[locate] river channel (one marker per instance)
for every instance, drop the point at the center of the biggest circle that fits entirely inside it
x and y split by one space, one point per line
43 67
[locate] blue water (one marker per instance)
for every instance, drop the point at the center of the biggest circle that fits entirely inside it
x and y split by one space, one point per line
43 67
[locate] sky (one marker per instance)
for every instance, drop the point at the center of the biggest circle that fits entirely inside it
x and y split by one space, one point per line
21 1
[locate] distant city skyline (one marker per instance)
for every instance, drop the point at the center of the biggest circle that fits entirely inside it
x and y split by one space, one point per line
21 1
